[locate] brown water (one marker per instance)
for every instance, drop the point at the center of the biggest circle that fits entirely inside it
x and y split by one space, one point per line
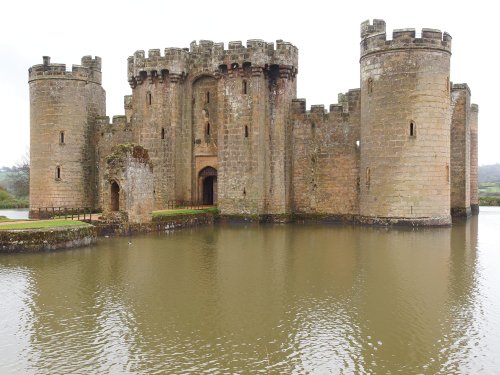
293 299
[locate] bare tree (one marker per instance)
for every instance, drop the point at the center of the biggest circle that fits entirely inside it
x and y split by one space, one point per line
20 177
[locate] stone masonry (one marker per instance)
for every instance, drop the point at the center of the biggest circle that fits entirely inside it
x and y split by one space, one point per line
223 126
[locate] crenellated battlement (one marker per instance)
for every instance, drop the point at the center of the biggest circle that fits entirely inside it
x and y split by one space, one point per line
105 127
342 107
374 39
367 28
172 65
212 58
89 70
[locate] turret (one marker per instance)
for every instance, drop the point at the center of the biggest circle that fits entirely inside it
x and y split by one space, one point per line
405 126
63 110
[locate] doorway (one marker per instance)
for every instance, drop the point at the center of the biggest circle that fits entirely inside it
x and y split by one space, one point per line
115 196
208 178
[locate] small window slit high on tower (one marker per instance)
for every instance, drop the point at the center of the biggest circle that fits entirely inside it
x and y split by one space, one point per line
61 137
148 98
58 173
246 131
162 133
370 85
413 129
245 87
208 97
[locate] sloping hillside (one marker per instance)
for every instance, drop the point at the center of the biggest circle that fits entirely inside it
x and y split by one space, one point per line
489 173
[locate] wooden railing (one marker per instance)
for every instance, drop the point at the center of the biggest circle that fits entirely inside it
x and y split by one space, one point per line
78 213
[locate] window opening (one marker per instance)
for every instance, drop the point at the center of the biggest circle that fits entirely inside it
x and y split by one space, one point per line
208 97
58 172
412 129
61 137
370 85
148 98
246 131
245 88
162 133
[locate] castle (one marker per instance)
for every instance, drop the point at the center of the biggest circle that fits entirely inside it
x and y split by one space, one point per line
224 127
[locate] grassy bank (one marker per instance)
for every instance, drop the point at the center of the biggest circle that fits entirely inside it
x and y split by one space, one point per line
489 194
157 215
489 201
43 224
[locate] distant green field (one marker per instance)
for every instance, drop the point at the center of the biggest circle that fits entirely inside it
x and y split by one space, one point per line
489 189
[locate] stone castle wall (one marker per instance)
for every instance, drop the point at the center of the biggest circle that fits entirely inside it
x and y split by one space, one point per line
460 183
474 177
403 147
326 157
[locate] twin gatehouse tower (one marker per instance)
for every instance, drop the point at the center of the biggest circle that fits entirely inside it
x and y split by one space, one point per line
224 127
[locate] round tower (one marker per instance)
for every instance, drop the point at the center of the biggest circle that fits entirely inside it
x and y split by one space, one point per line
405 126
63 110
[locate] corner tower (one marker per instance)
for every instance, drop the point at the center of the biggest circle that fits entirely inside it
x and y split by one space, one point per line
64 106
405 126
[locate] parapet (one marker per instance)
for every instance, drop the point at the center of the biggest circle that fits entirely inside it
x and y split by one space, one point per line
211 58
173 64
89 70
118 123
374 39
353 96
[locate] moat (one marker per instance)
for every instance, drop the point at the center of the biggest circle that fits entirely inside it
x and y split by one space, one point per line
261 299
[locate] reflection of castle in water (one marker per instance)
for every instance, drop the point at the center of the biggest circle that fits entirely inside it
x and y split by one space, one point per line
301 297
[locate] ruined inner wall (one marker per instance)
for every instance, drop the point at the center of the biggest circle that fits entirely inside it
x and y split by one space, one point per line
325 158
460 151
64 106
129 167
405 125
108 135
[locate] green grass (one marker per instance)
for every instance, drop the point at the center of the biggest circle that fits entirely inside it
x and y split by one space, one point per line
184 211
489 201
44 224
489 189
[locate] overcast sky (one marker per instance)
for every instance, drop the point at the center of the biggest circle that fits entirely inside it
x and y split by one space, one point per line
326 33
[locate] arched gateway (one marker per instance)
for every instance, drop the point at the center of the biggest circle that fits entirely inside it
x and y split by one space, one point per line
208 186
